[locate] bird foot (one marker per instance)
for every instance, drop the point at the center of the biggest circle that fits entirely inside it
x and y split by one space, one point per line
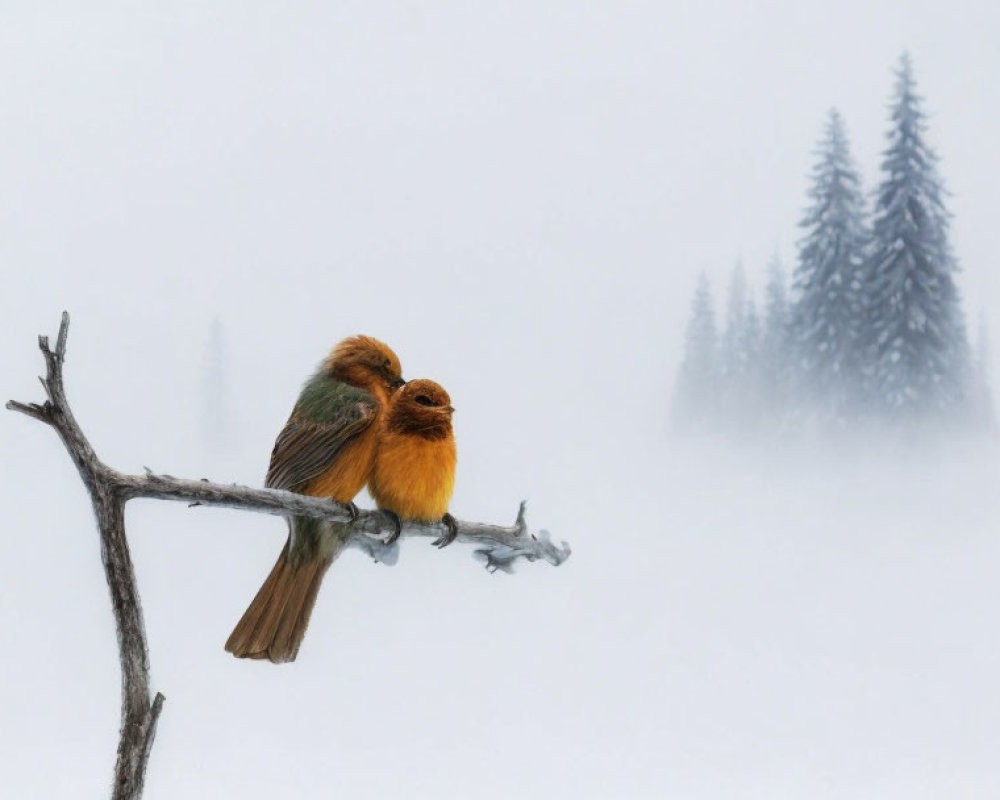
350 508
397 527
446 539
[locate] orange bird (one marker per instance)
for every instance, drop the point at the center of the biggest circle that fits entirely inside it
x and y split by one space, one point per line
414 472
326 449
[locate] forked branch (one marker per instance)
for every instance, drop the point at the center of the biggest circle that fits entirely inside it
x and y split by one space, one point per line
498 548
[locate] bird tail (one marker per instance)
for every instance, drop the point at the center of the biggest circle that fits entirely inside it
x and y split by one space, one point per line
275 622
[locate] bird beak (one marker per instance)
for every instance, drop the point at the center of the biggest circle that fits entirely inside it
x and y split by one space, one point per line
397 383
450 410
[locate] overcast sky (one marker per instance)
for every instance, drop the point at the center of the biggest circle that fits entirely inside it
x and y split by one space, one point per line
518 197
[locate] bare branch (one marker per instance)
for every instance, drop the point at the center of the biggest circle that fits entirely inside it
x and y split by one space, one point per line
31 409
507 543
499 548
61 340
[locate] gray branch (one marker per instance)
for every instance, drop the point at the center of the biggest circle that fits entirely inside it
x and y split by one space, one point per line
498 548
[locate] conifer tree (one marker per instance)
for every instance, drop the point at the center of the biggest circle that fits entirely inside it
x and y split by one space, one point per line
773 360
734 352
775 334
918 333
826 321
696 396
740 395
749 408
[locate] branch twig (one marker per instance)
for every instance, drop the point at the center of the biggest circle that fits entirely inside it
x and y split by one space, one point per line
499 548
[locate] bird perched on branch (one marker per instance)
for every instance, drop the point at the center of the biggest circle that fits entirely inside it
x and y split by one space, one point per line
326 449
414 470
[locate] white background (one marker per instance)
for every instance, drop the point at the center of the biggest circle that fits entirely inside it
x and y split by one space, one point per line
518 198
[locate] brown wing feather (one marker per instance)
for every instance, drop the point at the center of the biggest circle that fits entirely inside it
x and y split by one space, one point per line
305 449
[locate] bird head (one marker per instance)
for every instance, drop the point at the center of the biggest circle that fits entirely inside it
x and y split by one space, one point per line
421 407
367 363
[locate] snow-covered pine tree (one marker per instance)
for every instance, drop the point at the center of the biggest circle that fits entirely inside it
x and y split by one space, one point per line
773 361
751 334
734 355
826 320
696 395
740 340
750 407
918 334
775 308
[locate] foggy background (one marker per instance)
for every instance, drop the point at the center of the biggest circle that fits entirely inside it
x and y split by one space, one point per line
518 199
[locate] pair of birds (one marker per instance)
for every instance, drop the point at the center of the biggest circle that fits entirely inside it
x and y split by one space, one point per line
356 422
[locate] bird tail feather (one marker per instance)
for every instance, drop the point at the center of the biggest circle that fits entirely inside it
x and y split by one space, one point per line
275 623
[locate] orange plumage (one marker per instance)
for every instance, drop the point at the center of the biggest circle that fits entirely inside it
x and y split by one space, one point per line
414 472
350 471
326 449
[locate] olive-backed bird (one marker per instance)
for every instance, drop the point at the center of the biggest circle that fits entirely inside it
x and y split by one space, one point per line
414 472
326 449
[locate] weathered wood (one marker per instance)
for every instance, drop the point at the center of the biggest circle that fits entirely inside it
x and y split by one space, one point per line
499 548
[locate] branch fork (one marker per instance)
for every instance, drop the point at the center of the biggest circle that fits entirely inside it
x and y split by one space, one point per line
499 548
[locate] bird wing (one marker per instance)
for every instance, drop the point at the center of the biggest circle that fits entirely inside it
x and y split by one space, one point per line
306 448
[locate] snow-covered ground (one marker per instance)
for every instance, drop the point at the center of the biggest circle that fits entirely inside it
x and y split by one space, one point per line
730 625
518 198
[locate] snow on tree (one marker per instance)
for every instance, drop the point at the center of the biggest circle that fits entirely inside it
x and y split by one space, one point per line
919 343
697 392
825 326
773 357
734 352
751 334
739 397
750 408
775 334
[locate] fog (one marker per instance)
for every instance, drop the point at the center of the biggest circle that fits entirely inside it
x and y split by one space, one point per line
519 201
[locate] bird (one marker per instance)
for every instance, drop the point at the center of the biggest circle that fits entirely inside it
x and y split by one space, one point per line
414 472
326 449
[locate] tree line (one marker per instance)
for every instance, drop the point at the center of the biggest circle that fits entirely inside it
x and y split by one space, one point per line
871 329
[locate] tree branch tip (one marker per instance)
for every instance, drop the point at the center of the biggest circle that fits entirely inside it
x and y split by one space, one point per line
63 332
34 410
520 523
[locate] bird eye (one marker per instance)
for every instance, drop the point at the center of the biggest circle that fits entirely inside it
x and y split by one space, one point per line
424 400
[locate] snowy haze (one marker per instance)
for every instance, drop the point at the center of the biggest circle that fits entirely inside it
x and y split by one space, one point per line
519 200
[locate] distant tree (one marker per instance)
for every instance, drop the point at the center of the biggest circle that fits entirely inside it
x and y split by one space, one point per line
739 396
751 334
750 408
825 326
919 342
696 395
773 358
734 355
215 406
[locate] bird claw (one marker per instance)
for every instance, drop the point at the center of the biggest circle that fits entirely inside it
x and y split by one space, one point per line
397 527
446 539
350 508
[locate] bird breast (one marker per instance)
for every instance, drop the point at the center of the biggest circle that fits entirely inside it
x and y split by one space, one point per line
414 477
